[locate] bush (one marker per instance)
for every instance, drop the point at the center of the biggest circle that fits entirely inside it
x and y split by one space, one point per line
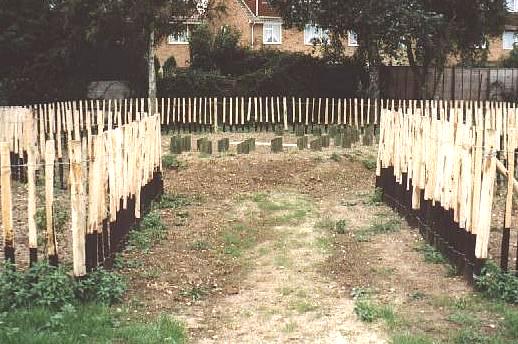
169 67
101 286
495 283
265 73
47 286
200 44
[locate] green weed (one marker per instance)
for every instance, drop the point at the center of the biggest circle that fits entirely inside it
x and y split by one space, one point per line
431 255
195 293
43 285
60 219
150 231
170 161
407 338
370 163
496 284
85 324
336 157
200 245
173 201
341 226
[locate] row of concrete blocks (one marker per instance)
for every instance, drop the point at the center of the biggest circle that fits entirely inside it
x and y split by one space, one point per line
345 139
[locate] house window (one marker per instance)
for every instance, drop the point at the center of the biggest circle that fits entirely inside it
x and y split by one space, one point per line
352 39
509 39
272 33
512 5
179 37
315 35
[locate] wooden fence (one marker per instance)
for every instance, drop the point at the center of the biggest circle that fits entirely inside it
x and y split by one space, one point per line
113 174
439 165
453 83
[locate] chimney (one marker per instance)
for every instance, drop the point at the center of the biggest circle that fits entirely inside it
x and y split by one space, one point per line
257 8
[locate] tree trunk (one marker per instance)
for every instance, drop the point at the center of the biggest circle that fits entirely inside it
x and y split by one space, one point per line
373 69
151 73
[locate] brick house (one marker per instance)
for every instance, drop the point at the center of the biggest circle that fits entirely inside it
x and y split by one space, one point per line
262 27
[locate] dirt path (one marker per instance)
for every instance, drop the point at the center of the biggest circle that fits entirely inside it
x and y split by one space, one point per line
256 255
285 297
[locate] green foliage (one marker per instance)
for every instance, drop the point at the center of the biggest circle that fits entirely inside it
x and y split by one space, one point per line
431 255
336 157
369 311
200 44
200 245
43 285
101 286
369 164
169 67
170 161
341 226
511 61
173 201
264 73
495 283
226 49
376 198
60 219
149 232
407 338
85 324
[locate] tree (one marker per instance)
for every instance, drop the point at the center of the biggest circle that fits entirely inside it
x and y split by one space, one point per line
426 31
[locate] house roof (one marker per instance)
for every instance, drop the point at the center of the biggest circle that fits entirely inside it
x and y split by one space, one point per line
261 8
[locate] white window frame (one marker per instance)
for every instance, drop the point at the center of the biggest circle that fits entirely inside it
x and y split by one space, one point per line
314 32
173 39
352 39
512 6
270 27
515 39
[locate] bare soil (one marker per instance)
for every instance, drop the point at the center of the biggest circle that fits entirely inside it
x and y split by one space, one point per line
293 281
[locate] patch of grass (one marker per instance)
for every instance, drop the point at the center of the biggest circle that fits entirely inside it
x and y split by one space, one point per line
431 255
283 260
282 209
195 292
324 244
463 318
378 227
376 197
173 201
85 324
369 311
336 157
341 226
285 291
238 239
59 220
43 285
149 232
511 323
471 336
302 306
169 161
325 223
408 338
370 163
417 296
200 245
497 284
290 327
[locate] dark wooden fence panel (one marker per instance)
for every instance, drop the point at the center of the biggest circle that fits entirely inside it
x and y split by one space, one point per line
453 83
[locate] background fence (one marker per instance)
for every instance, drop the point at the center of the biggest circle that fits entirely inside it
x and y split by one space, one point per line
453 83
